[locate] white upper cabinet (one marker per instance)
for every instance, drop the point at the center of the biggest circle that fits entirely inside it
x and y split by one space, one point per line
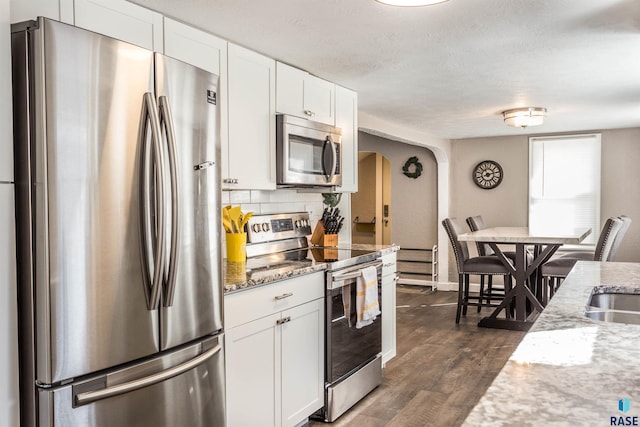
121 20
202 50
249 160
25 10
347 121
195 47
304 95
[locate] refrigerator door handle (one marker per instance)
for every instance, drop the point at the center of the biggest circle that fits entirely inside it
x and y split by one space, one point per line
166 122
149 117
95 395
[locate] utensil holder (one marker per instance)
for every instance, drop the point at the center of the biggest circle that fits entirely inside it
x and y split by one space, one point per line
318 237
236 247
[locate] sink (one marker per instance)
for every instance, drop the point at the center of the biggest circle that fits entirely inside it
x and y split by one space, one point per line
614 307
615 316
611 301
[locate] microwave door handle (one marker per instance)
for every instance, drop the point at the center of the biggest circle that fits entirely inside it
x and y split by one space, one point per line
329 145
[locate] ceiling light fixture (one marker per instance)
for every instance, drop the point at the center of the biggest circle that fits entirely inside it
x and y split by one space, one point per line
523 117
410 2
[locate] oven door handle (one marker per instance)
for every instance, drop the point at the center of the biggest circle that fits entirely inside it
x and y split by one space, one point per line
337 280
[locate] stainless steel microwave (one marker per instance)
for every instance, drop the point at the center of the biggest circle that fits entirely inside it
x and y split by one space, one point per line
309 153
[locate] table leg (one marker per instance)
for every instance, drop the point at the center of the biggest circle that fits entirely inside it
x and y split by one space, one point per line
520 294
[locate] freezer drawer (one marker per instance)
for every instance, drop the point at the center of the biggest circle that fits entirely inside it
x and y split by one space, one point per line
180 388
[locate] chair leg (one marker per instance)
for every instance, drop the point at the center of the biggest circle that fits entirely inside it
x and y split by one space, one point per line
481 296
460 292
466 295
490 289
507 288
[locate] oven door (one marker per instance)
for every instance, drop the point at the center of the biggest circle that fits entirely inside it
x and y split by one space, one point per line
309 153
348 348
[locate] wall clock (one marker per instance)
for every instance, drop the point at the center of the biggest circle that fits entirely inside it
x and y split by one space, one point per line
487 174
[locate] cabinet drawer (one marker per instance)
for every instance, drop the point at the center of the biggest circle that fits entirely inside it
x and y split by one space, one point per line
245 306
389 265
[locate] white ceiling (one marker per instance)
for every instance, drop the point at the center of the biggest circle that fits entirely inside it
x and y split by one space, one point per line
450 69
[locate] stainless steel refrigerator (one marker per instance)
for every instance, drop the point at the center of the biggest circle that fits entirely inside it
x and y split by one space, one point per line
118 230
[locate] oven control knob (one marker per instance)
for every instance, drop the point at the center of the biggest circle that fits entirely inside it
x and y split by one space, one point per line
265 226
256 228
297 223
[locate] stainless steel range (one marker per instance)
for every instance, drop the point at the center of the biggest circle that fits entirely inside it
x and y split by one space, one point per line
353 361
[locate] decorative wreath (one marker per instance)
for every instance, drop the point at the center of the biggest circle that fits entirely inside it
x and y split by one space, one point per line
412 168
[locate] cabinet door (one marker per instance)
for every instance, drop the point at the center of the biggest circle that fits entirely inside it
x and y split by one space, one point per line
251 153
319 99
121 20
205 51
303 95
253 373
25 10
347 120
389 279
302 361
290 90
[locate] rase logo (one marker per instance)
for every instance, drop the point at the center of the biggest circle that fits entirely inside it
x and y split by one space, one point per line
624 405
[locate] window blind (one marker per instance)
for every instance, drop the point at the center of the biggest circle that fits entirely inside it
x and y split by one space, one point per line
564 184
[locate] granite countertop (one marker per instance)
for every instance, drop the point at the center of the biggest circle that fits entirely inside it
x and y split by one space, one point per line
238 277
568 369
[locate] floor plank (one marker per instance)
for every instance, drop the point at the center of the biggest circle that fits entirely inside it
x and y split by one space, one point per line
441 369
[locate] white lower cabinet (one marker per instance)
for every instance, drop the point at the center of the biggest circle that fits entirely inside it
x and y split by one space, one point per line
389 279
275 352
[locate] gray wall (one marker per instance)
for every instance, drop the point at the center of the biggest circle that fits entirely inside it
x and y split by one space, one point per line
414 219
506 205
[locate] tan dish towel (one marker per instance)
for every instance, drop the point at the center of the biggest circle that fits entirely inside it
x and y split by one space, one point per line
367 305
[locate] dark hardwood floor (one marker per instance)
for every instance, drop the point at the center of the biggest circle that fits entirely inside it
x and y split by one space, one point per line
441 369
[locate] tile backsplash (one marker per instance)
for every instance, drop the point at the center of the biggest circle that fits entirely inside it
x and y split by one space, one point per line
266 202
277 201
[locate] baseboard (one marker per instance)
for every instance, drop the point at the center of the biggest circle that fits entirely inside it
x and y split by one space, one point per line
453 286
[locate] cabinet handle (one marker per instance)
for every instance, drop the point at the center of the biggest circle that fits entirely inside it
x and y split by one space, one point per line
283 320
283 296
230 180
309 113
389 264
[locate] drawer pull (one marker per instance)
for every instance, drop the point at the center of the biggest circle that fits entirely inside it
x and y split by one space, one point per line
283 296
283 320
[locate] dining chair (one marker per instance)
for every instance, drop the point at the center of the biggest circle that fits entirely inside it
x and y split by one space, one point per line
476 223
556 270
481 265
617 240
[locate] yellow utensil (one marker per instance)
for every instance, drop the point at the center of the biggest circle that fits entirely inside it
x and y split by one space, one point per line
234 215
245 219
226 219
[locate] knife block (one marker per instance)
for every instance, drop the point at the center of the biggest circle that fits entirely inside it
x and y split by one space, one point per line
318 237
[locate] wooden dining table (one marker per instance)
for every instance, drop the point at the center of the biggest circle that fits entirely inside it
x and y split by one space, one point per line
522 306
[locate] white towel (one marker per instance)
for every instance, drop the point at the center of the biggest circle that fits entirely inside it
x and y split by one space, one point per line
367 306
346 303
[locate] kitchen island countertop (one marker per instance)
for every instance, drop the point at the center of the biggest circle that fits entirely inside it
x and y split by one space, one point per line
568 369
238 277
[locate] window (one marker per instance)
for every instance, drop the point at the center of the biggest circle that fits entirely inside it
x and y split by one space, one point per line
564 184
